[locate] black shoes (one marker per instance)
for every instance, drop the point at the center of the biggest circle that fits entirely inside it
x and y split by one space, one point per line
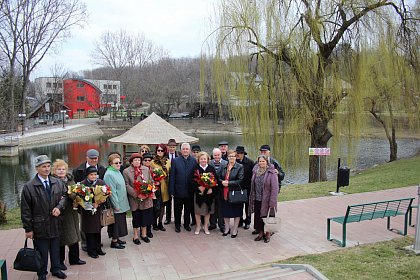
62 266
177 229
136 241
155 227
42 277
145 239
161 227
121 242
226 233
78 262
211 227
116 245
222 229
246 226
167 222
59 274
259 238
93 256
149 234
101 253
234 235
255 232
187 228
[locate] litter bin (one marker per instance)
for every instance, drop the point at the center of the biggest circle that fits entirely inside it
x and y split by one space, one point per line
343 176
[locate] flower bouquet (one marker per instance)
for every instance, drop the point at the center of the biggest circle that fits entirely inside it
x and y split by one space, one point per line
206 180
145 189
158 174
101 193
82 195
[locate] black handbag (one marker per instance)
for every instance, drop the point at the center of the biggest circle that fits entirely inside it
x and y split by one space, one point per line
28 259
239 196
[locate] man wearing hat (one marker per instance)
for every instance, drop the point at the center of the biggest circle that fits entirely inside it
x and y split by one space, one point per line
42 201
172 154
265 150
195 149
223 146
92 158
248 164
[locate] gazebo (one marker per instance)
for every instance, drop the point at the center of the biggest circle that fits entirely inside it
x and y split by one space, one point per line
151 131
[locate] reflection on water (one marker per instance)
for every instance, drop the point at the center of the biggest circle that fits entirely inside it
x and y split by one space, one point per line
292 153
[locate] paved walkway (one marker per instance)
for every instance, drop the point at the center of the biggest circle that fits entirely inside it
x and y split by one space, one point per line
184 255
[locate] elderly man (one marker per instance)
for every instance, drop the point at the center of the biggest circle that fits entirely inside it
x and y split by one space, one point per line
172 154
224 147
218 163
43 200
92 159
248 164
180 179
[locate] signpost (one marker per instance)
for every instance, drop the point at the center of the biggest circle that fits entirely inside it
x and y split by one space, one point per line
319 152
416 246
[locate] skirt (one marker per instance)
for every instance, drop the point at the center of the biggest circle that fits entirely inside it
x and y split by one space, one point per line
119 228
231 210
204 208
142 218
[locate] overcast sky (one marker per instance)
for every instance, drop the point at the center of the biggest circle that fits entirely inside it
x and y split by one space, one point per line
180 27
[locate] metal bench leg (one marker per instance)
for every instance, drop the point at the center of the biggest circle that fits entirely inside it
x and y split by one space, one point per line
328 229
343 244
388 223
405 223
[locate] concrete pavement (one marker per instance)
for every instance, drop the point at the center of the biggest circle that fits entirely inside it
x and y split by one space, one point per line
183 255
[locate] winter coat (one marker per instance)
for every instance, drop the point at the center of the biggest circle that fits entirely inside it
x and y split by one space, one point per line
115 180
69 233
91 223
36 207
270 191
236 177
80 172
164 189
134 202
248 165
180 176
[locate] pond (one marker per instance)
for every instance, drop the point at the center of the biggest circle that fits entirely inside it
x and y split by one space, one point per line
14 172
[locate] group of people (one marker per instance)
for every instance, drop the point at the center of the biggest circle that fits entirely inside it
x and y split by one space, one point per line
196 184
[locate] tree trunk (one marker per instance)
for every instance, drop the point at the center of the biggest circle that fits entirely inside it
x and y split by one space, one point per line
320 135
393 147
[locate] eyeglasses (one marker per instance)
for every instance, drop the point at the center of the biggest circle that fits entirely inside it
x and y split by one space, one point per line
117 162
147 160
159 150
144 151
232 156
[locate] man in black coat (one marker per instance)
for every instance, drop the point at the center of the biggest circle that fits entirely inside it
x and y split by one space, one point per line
92 158
172 154
43 200
248 164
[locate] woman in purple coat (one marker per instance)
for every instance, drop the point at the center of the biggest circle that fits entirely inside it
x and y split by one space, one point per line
263 195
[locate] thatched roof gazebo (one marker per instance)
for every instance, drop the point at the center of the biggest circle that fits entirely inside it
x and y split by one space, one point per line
152 131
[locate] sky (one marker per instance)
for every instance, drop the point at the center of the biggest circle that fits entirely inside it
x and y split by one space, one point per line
180 27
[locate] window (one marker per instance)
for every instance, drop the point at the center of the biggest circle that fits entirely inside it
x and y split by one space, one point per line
80 98
80 85
80 110
105 86
60 85
54 85
114 86
48 85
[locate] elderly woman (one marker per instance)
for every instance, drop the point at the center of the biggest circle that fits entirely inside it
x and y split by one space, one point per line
204 193
230 179
91 222
162 164
69 233
263 195
141 209
119 201
147 162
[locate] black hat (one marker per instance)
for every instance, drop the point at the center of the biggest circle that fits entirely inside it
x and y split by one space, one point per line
196 148
171 142
240 150
91 169
223 143
147 155
265 148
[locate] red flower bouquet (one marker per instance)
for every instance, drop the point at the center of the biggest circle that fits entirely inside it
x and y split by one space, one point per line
206 180
158 174
145 189
82 195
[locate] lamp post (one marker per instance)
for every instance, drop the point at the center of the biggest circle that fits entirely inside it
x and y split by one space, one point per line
64 116
22 117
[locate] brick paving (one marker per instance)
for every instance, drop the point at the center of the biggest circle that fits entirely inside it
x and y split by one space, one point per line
184 255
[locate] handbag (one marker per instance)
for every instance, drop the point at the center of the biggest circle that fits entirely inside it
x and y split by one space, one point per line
107 217
239 196
271 219
28 259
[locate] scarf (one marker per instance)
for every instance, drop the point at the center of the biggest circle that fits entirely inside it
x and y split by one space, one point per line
138 173
261 171
226 189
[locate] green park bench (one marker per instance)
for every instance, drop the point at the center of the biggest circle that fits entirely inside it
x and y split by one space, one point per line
369 211
3 269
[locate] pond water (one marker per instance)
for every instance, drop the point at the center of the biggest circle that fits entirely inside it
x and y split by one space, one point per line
14 172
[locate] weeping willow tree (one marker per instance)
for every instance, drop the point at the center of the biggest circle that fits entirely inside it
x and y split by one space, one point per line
293 60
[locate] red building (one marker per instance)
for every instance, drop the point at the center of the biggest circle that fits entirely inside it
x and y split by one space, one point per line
81 96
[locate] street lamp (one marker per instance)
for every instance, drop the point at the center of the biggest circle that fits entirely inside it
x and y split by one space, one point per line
64 116
22 118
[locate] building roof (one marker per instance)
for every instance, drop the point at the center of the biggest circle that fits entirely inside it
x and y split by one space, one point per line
152 131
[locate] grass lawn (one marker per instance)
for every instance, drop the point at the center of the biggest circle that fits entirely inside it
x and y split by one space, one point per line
382 260
397 174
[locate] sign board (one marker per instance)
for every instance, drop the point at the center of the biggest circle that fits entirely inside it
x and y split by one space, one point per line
319 151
